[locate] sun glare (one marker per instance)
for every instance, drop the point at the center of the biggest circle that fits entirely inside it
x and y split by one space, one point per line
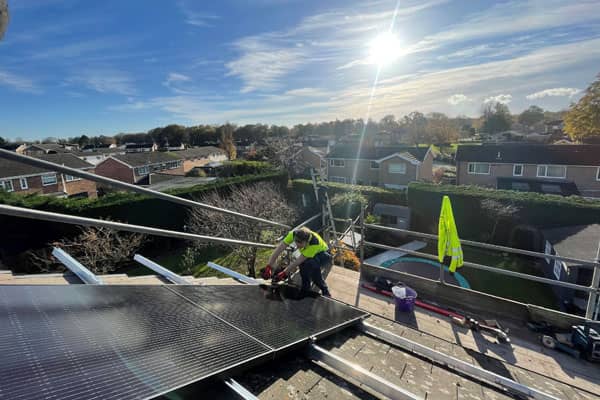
384 49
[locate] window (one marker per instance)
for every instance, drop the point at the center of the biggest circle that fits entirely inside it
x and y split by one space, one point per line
337 163
139 171
374 165
49 180
7 185
397 168
389 220
520 186
551 171
518 170
71 178
550 188
598 174
338 179
173 164
478 168
24 184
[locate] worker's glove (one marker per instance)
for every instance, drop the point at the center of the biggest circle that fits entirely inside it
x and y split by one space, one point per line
266 272
280 276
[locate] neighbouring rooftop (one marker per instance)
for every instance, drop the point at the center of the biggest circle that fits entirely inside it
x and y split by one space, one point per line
525 153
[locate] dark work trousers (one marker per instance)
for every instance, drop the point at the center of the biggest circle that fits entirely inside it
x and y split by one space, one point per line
310 271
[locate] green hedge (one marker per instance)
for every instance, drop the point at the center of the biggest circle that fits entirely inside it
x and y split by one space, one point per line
372 193
539 210
135 208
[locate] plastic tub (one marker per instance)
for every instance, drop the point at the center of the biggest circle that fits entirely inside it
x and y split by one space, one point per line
405 298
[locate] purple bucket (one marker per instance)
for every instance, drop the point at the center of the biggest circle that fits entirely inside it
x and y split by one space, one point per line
404 298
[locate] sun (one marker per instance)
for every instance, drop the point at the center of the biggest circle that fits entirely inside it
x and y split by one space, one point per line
384 49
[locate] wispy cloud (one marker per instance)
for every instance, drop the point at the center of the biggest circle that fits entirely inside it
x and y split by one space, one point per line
306 92
512 18
77 49
329 38
558 92
174 80
197 18
105 81
20 83
500 98
457 99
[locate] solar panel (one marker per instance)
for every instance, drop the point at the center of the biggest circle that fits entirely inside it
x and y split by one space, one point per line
137 342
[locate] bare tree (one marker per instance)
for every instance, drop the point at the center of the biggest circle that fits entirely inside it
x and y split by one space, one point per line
262 200
498 211
101 250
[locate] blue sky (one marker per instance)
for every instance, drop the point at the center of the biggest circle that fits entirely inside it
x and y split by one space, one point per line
71 67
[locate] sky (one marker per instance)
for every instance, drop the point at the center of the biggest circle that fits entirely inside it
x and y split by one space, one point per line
72 67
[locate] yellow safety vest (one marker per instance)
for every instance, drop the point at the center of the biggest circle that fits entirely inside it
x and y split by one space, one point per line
448 241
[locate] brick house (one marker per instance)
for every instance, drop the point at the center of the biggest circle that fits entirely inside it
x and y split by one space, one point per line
22 178
136 167
391 166
42 148
200 156
554 169
96 156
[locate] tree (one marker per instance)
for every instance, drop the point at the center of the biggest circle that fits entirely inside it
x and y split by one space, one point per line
101 250
441 129
582 121
3 17
262 200
532 116
226 141
496 118
498 211
415 125
3 142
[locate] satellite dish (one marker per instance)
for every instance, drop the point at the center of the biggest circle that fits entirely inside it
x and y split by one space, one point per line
3 17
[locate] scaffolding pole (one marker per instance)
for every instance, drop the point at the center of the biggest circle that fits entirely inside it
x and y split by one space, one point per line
73 220
35 162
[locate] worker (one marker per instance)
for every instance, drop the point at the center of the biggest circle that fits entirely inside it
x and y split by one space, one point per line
314 254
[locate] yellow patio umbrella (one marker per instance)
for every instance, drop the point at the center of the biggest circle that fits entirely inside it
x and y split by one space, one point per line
448 241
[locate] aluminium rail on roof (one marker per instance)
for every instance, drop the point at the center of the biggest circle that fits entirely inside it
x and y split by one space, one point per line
9 155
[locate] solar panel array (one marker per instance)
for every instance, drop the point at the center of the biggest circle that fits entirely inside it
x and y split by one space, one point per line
137 342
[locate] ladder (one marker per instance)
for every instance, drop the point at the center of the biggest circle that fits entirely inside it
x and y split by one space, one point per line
322 197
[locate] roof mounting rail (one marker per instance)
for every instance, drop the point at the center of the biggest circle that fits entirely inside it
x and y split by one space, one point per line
236 275
240 390
86 276
162 271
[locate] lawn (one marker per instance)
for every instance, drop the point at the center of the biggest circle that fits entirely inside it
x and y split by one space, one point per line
501 285
224 257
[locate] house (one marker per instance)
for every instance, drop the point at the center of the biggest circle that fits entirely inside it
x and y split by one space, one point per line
554 127
136 167
391 167
42 148
578 242
140 147
200 156
555 169
98 155
311 157
22 178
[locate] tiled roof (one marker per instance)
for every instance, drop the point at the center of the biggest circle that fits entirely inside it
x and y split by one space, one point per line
377 153
199 152
9 168
586 154
580 241
151 157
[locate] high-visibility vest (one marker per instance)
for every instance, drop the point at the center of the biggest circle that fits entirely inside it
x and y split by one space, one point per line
448 241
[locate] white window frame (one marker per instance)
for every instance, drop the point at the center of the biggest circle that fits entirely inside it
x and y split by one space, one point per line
518 165
403 172
337 179
340 163
478 173
7 183
24 184
374 162
144 168
51 183
545 174
71 178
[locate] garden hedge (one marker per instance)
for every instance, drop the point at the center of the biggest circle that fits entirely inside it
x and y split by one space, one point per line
538 210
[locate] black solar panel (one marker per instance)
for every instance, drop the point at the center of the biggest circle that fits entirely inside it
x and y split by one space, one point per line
275 323
137 342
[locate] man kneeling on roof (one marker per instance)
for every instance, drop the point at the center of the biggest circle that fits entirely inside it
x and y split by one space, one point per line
314 254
